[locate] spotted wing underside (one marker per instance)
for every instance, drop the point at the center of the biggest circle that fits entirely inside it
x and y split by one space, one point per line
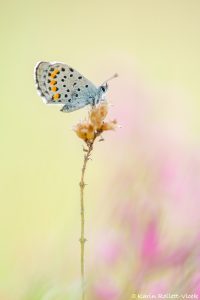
58 83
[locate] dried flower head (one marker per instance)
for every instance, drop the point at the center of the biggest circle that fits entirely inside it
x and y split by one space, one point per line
85 131
98 114
89 129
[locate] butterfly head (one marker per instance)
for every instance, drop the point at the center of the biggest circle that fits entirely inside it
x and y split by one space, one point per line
103 88
101 93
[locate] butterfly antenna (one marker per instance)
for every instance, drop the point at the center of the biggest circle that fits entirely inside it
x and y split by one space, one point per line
112 77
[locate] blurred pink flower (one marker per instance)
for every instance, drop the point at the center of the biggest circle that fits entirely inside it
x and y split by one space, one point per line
109 248
150 243
195 285
177 256
158 287
105 290
157 174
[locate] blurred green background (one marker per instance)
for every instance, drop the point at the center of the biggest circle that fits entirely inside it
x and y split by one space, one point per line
155 41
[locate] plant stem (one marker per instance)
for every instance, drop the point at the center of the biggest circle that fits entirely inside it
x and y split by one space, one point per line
82 238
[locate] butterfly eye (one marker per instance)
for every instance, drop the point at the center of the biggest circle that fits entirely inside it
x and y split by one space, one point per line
104 88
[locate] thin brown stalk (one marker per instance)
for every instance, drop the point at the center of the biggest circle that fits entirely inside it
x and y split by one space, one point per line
88 131
82 238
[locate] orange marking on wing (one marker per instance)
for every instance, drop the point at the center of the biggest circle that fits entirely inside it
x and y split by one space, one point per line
53 75
54 88
56 96
53 82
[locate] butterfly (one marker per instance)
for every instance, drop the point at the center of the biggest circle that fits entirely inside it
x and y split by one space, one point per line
58 83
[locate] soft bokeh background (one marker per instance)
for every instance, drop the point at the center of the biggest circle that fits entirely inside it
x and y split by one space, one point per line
142 205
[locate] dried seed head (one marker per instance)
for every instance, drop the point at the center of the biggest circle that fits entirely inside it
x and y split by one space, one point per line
109 125
88 130
85 131
98 114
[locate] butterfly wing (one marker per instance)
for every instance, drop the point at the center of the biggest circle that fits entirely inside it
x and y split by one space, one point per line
58 83
80 97
41 74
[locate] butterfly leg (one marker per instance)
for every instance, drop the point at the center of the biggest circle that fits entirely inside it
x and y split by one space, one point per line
93 101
